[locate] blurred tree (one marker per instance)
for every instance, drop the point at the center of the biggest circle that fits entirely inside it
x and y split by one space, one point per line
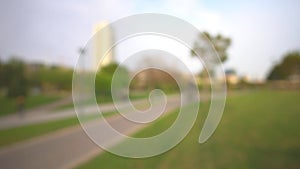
219 42
55 78
2 75
104 77
33 74
14 78
288 67
109 69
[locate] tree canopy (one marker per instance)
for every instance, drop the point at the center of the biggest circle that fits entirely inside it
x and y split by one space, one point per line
219 42
13 78
104 78
288 67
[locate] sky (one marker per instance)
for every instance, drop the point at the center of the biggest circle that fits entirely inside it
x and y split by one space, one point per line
51 31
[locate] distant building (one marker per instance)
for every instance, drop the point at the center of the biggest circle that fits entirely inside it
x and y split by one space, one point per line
152 78
231 77
102 40
294 78
34 67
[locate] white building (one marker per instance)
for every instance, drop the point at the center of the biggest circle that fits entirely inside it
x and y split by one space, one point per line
102 40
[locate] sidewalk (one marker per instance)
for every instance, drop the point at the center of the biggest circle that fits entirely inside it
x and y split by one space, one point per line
34 117
70 147
40 114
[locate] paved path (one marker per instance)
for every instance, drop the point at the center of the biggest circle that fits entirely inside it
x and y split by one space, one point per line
66 148
43 115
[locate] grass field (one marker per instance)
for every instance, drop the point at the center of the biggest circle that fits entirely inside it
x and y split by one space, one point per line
10 136
259 129
9 105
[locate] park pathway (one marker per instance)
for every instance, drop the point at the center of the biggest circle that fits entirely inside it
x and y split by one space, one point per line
68 147
40 115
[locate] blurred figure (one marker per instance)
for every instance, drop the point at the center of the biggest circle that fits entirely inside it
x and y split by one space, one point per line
20 104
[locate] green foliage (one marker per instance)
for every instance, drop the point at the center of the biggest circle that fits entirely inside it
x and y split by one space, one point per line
8 105
220 43
2 75
50 78
58 78
290 65
104 77
18 77
13 78
109 69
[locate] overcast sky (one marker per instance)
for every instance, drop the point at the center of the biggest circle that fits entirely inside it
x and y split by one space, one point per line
51 31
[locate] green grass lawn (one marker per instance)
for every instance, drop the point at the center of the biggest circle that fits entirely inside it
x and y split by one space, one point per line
13 135
8 106
259 129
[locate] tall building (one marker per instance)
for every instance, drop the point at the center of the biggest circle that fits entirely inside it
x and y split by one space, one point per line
102 40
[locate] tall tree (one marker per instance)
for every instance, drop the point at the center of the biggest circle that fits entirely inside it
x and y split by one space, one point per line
15 79
289 66
219 42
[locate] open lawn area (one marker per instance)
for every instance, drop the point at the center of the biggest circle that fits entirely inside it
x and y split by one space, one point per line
259 129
